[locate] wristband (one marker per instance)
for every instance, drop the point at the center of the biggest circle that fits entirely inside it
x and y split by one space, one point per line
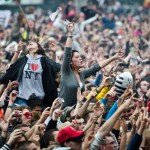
10 106
17 52
70 36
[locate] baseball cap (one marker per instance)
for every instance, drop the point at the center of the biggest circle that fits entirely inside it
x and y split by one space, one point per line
65 113
69 133
122 82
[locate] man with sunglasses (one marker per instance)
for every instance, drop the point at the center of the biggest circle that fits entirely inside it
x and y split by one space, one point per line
26 116
109 143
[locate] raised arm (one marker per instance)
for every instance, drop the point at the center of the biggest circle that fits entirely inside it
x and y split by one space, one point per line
108 125
68 49
17 52
105 62
88 21
95 68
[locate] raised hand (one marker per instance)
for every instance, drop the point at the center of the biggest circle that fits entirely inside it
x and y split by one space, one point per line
39 129
127 103
45 113
110 94
11 85
70 26
14 136
20 46
92 94
98 109
87 141
124 126
108 81
144 121
133 121
79 96
4 125
56 114
54 105
119 54
13 96
128 92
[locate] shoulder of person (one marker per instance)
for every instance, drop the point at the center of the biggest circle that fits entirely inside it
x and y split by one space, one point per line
46 59
20 60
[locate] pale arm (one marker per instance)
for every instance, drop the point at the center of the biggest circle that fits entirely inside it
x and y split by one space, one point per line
118 55
15 57
108 125
2 88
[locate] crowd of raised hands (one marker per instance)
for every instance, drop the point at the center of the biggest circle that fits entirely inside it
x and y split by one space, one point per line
109 107
129 123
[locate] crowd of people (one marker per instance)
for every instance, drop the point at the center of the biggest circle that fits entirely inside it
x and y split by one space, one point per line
77 78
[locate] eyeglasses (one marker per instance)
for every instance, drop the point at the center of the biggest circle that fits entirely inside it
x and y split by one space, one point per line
27 114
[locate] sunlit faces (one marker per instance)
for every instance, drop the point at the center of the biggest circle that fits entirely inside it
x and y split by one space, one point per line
32 47
137 78
77 61
51 42
81 123
26 117
31 24
144 86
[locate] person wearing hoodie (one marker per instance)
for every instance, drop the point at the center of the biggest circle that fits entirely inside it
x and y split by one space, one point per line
36 74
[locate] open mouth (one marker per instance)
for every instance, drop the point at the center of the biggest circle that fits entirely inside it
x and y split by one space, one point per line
30 44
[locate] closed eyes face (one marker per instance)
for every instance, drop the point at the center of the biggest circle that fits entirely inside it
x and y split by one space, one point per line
32 46
77 61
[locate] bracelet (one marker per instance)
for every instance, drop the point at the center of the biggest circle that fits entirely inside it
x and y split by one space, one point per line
4 131
95 122
17 51
70 36
97 91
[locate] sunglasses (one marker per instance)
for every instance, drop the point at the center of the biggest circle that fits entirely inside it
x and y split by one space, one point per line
27 114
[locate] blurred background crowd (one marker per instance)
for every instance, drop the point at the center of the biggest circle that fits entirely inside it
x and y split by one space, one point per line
101 29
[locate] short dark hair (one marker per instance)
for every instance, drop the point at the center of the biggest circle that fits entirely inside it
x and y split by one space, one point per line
20 18
23 145
40 50
73 51
103 142
19 126
21 108
138 85
48 136
73 117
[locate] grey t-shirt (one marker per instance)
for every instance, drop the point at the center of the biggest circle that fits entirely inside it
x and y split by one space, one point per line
69 83
95 145
97 142
31 80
